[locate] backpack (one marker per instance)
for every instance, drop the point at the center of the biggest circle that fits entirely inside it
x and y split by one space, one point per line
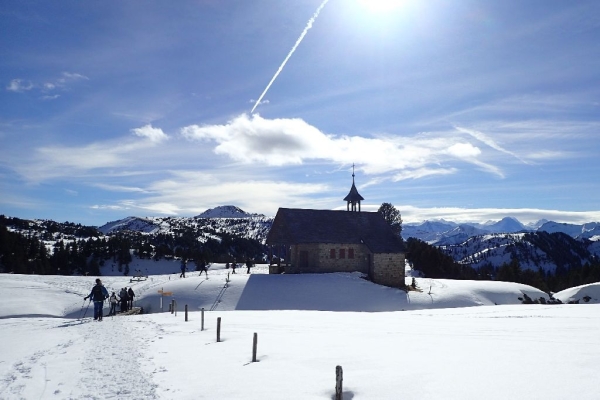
97 294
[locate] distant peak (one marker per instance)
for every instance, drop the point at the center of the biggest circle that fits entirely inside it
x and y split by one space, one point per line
228 211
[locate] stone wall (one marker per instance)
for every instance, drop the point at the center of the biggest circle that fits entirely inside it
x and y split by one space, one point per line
318 258
388 269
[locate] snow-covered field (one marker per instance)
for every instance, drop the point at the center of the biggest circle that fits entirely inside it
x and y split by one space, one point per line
426 344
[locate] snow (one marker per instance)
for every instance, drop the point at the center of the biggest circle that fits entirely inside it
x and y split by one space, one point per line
451 342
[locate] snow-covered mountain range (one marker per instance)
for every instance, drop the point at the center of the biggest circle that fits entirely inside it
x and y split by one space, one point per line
443 232
223 219
546 244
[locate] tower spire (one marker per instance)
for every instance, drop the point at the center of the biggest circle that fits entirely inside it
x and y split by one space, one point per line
353 198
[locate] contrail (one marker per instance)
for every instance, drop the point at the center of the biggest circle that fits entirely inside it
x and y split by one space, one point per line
308 26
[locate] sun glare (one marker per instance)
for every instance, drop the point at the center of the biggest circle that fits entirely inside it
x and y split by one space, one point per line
381 6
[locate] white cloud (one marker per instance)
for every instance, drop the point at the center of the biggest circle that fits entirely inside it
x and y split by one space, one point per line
464 150
155 135
482 137
279 142
17 85
253 101
71 76
192 192
51 162
421 173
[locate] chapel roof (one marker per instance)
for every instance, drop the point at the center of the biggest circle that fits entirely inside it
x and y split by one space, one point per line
304 226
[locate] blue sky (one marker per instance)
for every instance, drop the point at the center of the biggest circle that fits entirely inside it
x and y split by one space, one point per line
463 110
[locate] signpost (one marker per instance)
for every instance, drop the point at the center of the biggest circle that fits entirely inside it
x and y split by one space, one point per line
162 294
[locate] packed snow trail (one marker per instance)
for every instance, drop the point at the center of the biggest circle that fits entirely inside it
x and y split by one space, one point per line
105 356
111 367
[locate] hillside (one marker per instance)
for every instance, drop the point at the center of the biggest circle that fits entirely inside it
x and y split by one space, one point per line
232 233
163 356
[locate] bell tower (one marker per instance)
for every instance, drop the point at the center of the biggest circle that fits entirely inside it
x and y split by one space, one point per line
353 198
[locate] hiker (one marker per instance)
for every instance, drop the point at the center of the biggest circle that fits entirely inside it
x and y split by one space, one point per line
248 265
202 268
98 295
233 267
183 268
123 296
113 304
131 296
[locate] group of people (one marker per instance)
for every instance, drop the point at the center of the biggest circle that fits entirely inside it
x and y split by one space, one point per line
234 265
125 299
99 294
202 267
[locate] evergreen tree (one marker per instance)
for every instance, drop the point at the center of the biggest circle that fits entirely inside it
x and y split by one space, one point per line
392 216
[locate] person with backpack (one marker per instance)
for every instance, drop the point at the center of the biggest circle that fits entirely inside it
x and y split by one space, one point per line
183 268
124 297
98 295
131 296
202 267
113 304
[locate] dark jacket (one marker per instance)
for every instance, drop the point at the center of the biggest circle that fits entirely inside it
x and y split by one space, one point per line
98 293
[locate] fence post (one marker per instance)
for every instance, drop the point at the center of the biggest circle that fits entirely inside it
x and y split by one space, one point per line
339 378
254 346
202 325
186 315
218 329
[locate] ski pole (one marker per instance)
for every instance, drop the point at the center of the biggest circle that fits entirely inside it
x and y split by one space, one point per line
80 311
88 306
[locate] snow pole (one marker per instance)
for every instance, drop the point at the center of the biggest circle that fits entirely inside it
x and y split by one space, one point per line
254 346
339 378
88 306
218 329
80 311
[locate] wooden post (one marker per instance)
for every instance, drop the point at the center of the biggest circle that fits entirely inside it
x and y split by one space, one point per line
339 378
218 329
202 314
254 346
172 306
186 315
